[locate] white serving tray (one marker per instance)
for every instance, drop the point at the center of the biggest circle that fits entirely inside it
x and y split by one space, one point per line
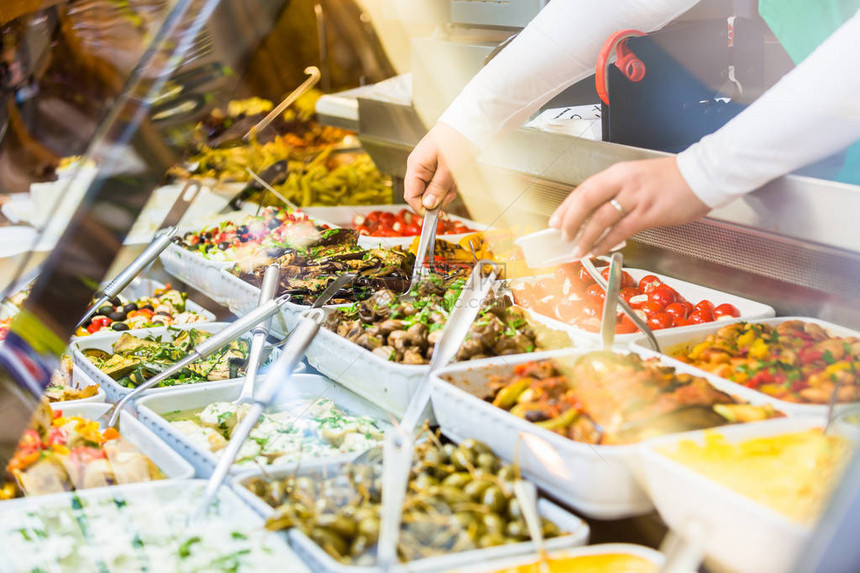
595 480
105 342
749 309
342 217
319 561
196 270
694 335
80 379
737 532
145 287
647 553
158 495
303 386
168 461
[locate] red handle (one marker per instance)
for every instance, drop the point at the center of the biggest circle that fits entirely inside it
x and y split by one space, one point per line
625 60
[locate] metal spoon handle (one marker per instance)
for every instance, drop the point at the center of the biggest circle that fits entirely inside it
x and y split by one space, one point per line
304 333
333 288
267 292
122 280
610 306
640 324
202 350
428 238
314 76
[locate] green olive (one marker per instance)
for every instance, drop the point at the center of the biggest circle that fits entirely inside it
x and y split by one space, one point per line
433 457
464 518
360 546
507 473
458 480
476 447
451 495
448 451
493 523
423 481
514 509
487 462
550 529
494 499
491 540
476 488
463 460
517 529
369 528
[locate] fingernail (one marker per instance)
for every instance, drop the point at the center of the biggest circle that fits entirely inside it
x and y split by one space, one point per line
428 201
554 221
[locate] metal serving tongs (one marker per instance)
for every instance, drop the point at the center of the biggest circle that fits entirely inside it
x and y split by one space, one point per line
165 234
398 445
426 245
202 350
281 373
610 307
640 324
313 77
268 288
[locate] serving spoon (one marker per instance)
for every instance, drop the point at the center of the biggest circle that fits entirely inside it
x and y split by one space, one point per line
268 287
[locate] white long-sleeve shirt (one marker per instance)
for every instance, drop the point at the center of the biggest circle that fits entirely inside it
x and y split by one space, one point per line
811 113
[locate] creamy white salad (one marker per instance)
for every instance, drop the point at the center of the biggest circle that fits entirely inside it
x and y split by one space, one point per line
305 430
148 530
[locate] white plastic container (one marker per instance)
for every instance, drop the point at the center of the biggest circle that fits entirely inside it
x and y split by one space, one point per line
160 496
105 342
80 379
749 309
303 387
646 553
145 287
320 561
547 248
196 270
343 216
168 461
690 336
595 480
736 532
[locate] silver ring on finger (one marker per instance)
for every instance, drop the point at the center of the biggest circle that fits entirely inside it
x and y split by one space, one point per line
618 207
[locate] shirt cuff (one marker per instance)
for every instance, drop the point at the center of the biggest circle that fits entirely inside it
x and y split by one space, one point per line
695 173
469 124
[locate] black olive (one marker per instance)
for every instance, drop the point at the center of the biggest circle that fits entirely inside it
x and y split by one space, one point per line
147 305
117 316
242 230
116 301
119 326
224 245
274 223
105 310
129 307
158 323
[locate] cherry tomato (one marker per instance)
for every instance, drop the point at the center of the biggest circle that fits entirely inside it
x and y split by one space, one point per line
627 293
660 320
591 309
626 279
545 286
411 229
594 293
661 297
625 326
701 316
584 277
362 230
651 308
567 310
565 272
705 305
638 300
678 310
649 283
387 219
726 309
682 322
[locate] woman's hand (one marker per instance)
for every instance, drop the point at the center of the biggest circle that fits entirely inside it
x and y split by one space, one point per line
623 200
429 170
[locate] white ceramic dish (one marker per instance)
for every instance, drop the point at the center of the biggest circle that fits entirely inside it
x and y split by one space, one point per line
80 379
168 461
501 565
196 270
690 336
595 480
319 561
159 496
736 532
303 387
343 216
106 341
749 309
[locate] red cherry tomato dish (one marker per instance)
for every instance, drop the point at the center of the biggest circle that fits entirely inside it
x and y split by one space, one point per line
404 223
571 296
